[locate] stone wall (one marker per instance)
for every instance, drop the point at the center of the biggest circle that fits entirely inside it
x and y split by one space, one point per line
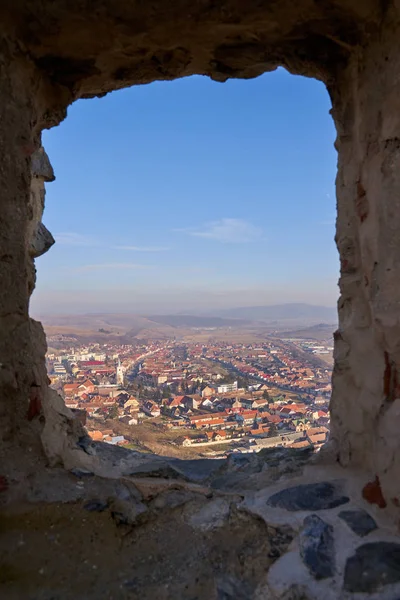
28 102
16 267
365 407
53 53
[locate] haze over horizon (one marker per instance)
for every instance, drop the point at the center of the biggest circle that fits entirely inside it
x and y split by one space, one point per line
171 308
192 196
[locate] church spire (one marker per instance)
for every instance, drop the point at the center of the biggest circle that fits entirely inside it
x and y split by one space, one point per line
120 373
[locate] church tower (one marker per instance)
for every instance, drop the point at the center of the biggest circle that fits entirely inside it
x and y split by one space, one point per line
120 373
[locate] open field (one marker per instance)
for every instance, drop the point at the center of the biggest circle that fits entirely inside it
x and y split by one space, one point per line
128 328
153 436
326 358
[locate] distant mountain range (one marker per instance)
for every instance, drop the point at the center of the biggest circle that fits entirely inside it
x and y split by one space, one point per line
195 321
278 318
280 315
281 312
321 331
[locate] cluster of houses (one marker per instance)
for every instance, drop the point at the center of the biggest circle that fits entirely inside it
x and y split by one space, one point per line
256 420
182 373
180 385
274 365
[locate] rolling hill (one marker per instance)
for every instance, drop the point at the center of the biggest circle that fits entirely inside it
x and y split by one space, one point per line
281 312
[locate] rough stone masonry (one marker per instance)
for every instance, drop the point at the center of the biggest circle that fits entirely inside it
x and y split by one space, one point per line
52 53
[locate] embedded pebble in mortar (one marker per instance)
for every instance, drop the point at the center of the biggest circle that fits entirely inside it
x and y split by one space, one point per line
317 547
310 496
359 521
372 566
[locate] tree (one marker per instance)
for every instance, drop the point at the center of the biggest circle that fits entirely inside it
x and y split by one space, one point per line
157 395
166 393
243 382
272 430
266 395
112 412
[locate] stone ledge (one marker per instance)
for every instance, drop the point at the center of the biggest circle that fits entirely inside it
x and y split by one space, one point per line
314 547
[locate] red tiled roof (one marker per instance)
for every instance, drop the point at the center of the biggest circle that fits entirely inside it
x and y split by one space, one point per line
91 363
210 422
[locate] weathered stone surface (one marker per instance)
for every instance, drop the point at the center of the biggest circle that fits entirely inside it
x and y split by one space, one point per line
372 566
231 588
150 487
239 481
359 521
40 238
172 499
81 473
197 470
245 472
310 496
250 463
41 242
126 512
317 550
286 459
211 515
130 43
155 468
41 166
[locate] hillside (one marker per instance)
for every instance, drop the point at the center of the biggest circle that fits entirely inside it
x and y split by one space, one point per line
320 332
306 313
195 321
249 323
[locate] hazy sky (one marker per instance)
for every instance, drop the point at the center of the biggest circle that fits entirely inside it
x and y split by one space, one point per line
192 195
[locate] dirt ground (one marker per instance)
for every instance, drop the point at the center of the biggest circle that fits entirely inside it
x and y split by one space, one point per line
64 552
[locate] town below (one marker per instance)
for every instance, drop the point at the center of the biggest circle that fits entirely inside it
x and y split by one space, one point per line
197 399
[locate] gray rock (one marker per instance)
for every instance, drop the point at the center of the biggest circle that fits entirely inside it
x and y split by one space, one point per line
155 468
95 506
127 512
172 499
41 242
86 443
197 470
125 491
250 463
81 473
359 521
372 566
237 481
115 454
211 515
297 592
317 547
41 166
230 588
309 496
284 457
253 472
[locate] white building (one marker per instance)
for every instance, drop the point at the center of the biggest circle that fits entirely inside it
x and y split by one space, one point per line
59 369
120 373
227 387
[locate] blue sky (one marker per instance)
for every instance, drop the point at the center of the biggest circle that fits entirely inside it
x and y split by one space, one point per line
192 195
